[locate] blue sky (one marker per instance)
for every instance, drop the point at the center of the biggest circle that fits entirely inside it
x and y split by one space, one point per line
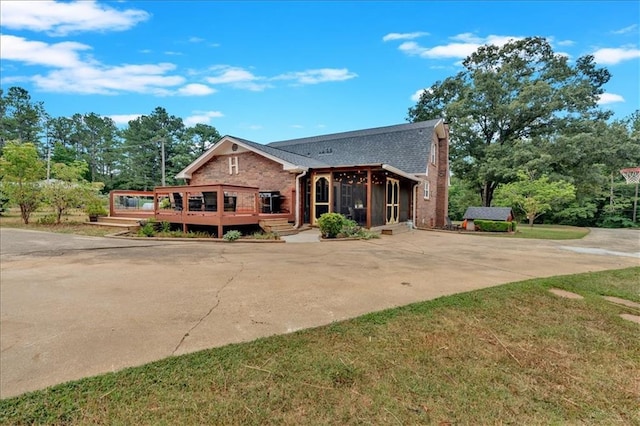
269 71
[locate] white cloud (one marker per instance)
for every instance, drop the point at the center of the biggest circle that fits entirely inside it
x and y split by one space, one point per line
62 18
462 46
196 40
63 54
122 119
612 56
196 89
566 43
404 36
609 98
237 77
172 53
322 75
416 96
297 126
73 73
108 80
625 30
201 117
255 127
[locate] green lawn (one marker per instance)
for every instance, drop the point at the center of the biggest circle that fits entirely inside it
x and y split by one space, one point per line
509 354
543 232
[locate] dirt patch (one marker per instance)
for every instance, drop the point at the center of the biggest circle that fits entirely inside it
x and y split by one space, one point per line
629 317
624 302
564 293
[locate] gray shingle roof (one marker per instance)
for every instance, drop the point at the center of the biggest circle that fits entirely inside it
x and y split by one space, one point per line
488 213
404 146
293 158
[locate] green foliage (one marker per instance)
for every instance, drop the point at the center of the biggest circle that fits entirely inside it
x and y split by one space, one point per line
331 224
20 170
616 221
68 189
94 206
232 235
4 200
535 196
148 228
494 226
461 197
21 119
265 236
506 100
165 226
50 219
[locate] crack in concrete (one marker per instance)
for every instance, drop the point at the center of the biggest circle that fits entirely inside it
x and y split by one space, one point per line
205 316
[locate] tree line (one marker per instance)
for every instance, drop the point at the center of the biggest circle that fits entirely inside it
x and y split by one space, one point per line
526 132
127 158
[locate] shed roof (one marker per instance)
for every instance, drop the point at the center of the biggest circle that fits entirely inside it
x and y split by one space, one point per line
488 213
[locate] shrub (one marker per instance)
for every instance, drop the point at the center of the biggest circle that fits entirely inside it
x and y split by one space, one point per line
614 221
148 229
514 225
50 219
232 235
493 226
165 227
331 224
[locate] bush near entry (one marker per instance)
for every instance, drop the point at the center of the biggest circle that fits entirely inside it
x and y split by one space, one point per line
494 226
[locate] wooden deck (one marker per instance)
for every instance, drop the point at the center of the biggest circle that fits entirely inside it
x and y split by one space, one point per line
208 205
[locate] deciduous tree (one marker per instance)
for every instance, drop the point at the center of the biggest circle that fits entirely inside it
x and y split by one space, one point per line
505 97
20 171
535 196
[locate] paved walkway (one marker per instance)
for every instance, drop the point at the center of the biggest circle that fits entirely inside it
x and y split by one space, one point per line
75 306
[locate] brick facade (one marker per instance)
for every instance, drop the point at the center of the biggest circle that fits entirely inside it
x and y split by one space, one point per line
253 170
432 212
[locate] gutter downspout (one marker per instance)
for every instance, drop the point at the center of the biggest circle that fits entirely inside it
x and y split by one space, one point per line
298 191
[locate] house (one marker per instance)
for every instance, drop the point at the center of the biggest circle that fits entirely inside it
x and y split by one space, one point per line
502 214
376 176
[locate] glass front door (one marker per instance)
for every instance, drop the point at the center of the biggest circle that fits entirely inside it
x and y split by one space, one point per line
393 201
320 196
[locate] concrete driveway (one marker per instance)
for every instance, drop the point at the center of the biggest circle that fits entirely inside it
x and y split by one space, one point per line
76 306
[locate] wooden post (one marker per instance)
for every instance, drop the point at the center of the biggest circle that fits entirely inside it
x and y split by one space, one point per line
369 188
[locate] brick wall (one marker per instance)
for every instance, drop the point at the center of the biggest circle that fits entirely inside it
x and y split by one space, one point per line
253 170
432 212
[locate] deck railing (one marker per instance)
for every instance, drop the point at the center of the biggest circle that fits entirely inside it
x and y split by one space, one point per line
216 205
138 204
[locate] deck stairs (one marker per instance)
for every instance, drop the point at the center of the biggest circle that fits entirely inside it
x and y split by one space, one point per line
121 223
279 226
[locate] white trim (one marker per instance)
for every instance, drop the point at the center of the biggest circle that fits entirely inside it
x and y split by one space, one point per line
434 153
400 173
427 190
233 165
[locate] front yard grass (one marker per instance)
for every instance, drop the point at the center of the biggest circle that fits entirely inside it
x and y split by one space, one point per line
510 354
542 232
